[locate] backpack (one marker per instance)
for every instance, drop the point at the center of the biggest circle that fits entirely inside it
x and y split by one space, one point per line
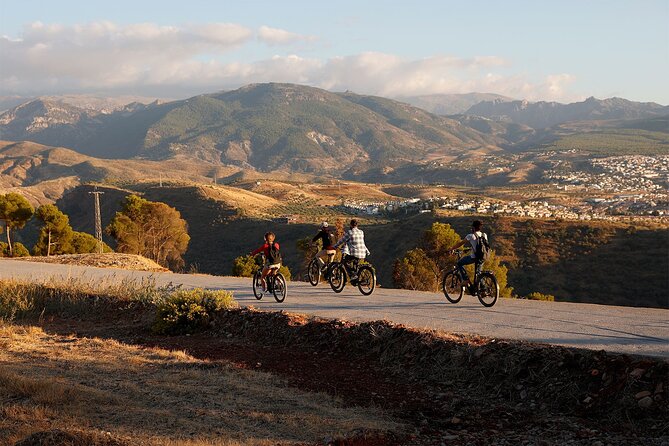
274 254
482 248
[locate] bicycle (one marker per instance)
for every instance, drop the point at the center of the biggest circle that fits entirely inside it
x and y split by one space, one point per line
338 276
485 285
275 281
315 270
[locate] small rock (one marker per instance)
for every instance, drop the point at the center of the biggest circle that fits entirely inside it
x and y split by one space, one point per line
587 400
523 394
456 420
449 437
637 373
645 403
641 395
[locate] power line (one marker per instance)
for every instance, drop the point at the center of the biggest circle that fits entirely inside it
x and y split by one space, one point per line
98 219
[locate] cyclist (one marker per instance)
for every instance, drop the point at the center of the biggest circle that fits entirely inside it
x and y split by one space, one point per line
272 256
477 236
326 237
354 249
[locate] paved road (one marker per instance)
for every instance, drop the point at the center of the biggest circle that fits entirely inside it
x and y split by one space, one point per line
616 329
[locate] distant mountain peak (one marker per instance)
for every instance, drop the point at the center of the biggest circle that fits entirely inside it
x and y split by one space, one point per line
451 104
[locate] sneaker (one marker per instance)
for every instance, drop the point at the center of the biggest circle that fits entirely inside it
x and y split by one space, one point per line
472 290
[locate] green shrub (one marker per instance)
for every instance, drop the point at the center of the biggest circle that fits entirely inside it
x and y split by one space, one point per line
244 266
185 311
20 250
416 271
285 271
540 296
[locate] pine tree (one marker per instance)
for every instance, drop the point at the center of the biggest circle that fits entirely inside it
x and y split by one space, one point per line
15 211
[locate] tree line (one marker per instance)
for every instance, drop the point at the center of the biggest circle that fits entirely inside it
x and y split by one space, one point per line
150 229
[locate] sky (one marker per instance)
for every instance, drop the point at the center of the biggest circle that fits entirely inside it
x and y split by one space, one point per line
536 50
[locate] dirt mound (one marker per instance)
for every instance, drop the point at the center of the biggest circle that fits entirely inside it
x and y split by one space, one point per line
59 437
106 260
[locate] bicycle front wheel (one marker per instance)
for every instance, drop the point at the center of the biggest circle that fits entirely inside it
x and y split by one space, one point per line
337 277
257 285
279 289
488 289
314 272
452 287
366 280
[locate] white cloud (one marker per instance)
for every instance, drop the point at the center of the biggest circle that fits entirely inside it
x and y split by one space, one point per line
52 59
276 36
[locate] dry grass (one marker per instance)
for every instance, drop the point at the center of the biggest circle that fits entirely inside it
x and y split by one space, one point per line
154 397
75 296
254 204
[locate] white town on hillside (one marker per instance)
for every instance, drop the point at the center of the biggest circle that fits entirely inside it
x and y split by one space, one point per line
636 186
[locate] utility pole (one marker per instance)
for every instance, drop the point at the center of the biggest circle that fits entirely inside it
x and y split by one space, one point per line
98 220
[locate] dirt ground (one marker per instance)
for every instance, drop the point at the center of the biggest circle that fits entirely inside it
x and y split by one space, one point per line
106 260
58 389
448 390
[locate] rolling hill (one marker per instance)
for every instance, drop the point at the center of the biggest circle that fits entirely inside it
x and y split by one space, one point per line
44 173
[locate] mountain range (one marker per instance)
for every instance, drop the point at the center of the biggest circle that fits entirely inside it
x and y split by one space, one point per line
540 115
296 128
264 126
451 104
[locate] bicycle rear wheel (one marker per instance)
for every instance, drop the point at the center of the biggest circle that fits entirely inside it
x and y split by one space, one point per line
452 287
279 289
488 289
314 272
366 280
257 285
337 277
